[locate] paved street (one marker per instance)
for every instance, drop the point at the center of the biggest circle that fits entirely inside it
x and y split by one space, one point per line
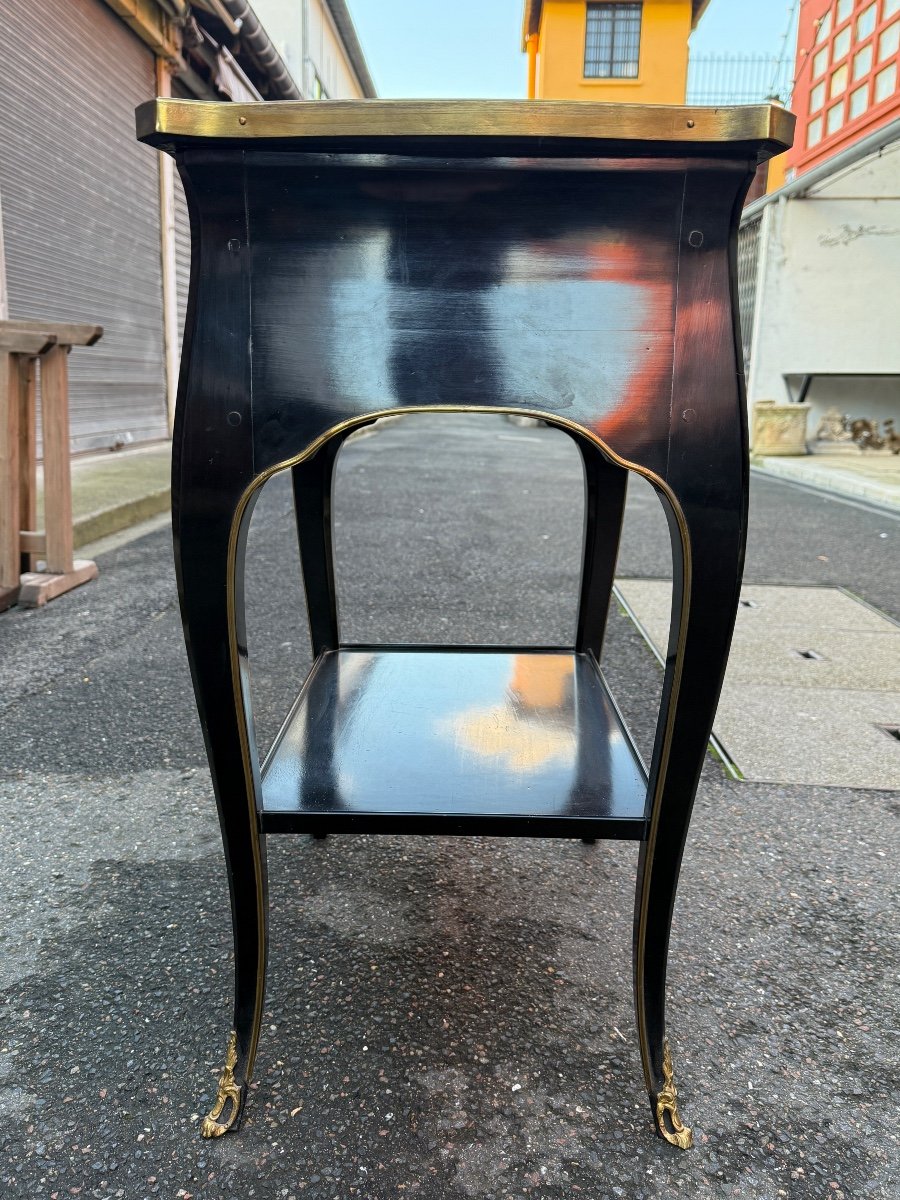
445 1017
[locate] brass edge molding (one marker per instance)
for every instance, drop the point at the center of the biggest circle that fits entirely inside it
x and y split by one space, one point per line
343 427
661 776
663 769
674 1130
228 1092
163 119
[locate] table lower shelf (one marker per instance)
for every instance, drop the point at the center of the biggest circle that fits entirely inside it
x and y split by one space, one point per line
452 740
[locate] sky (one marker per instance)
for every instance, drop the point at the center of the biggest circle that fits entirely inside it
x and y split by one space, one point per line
431 48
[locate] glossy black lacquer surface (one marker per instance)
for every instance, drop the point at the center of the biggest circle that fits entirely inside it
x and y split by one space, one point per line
543 289
589 282
455 742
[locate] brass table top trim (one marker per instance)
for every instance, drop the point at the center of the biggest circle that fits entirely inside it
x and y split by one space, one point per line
161 120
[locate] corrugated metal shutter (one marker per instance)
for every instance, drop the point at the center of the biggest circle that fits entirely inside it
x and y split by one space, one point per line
182 231
748 268
81 206
182 253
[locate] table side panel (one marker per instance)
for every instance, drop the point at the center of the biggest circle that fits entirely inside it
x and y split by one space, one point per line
545 290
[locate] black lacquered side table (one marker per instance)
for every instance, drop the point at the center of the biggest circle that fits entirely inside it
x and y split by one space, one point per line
570 261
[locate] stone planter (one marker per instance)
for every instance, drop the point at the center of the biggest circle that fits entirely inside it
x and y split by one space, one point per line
779 428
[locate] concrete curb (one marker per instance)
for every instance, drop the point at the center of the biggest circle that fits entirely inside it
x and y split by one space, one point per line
100 524
832 482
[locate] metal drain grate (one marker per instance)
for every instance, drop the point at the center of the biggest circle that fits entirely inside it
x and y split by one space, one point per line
892 731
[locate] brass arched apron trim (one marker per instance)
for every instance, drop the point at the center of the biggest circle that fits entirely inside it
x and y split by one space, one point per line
343 428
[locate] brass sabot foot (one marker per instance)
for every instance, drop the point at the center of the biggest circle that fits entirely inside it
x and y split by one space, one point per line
229 1093
668 1121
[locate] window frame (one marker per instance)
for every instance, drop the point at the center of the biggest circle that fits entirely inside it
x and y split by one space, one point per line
612 10
886 70
872 80
863 90
870 12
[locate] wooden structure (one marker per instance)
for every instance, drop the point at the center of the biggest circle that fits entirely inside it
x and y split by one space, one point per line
573 262
24 345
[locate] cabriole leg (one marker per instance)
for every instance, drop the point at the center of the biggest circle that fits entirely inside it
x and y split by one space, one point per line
604 509
210 600
713 569
706 505
313 482
605 485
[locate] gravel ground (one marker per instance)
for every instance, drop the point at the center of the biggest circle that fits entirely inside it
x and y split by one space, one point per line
445 1017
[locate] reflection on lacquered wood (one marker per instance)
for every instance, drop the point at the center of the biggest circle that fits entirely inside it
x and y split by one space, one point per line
551 291
471 733
532 726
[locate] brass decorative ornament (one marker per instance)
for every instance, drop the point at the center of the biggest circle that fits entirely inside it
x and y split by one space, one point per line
229 1090
674 1131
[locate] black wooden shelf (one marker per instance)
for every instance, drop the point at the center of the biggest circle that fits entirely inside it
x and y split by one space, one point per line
455 740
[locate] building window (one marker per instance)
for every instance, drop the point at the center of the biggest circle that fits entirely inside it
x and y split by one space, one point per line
817 97
889 42
865 22
839 81
823 27
885 83
890 7
862 62
841 44
835 118
844 9
820 62
814 132
612 42
859 101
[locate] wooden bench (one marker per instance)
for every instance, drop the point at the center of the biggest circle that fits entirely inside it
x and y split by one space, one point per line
23 345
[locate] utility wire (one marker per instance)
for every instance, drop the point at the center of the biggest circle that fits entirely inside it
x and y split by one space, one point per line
777 77
804 58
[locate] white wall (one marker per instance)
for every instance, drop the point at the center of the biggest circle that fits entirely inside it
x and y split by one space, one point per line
322 48
326 57
829 295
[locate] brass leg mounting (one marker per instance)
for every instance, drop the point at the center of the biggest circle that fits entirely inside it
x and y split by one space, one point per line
673 1130
229 1091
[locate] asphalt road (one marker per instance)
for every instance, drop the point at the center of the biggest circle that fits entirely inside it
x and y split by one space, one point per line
445 1017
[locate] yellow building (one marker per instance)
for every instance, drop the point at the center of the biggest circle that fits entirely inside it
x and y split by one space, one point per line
618 52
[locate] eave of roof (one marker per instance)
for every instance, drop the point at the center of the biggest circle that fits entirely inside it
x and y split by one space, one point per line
698 8
340 14
531 16
254 41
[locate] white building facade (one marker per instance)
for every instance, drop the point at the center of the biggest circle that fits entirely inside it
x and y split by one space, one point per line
819 284
318 42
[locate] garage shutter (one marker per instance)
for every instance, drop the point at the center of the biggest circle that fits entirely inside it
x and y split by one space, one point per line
182 253
81 206
748 267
